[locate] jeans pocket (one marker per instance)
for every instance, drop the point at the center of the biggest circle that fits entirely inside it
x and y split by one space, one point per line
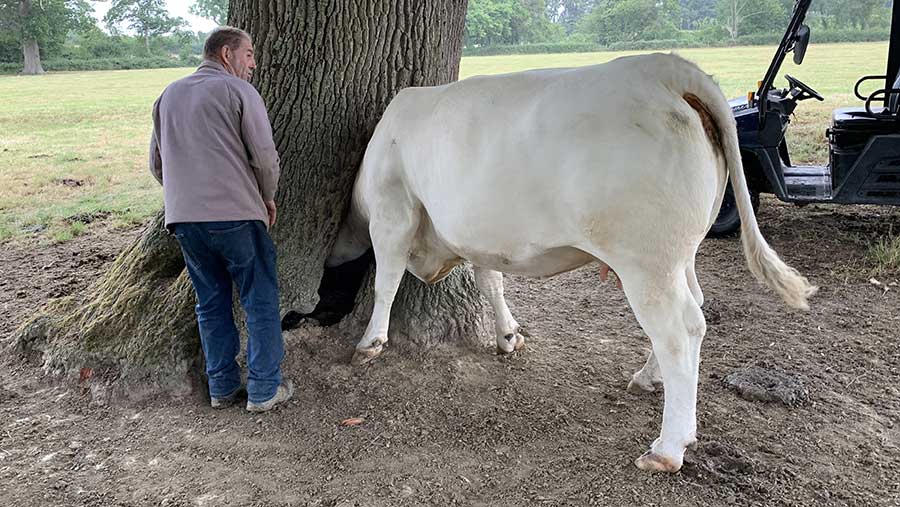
229 230
234 243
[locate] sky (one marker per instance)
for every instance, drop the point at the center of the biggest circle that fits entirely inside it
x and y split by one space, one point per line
175 7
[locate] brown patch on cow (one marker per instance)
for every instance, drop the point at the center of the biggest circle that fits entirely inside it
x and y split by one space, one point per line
443 272
707 119
678 121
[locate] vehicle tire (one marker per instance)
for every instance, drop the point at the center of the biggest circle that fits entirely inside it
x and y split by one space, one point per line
728 223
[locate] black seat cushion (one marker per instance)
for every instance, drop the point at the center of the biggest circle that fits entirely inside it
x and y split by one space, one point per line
856 117
852 127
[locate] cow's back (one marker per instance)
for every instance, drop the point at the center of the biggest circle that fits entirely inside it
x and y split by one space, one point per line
495 159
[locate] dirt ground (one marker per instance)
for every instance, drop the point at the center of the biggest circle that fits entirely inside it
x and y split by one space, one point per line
552 425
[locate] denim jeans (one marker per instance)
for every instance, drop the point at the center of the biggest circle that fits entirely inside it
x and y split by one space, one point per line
242 252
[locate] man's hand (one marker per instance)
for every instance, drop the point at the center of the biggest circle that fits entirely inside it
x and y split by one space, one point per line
270 209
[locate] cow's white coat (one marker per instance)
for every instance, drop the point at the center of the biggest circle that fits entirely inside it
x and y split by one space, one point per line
541 172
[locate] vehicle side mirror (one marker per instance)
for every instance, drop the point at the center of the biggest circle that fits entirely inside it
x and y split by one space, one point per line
801 40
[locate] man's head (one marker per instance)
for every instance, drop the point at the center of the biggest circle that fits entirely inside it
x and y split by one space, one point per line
232 48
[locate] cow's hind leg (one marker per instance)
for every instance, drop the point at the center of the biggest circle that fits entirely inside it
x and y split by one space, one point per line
648 378
392 234
690 274
490 283
668 311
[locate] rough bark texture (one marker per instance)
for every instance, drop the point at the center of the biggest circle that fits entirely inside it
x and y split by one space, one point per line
136 322
327 71
30 50
32 54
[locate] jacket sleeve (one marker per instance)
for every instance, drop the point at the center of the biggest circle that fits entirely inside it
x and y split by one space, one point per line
155 158
257 136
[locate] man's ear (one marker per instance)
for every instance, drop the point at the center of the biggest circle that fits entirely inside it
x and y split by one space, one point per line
225 53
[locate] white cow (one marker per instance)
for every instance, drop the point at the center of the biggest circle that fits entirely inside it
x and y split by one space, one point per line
541 172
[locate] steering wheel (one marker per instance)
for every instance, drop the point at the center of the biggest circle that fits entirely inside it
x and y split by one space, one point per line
796 83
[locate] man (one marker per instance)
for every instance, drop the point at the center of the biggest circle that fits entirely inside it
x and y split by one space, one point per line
213 153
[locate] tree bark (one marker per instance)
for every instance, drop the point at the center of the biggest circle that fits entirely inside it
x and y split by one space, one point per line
32 54
327 71
30 50
135 323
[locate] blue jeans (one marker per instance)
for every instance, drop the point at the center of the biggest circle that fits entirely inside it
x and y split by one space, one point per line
217 254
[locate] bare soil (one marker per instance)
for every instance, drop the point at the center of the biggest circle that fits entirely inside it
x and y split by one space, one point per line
552 425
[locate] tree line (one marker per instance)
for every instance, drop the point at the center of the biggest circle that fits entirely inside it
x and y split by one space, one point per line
143 30
139 29
511 22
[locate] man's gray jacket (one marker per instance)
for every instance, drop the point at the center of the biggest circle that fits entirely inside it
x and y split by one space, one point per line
212 148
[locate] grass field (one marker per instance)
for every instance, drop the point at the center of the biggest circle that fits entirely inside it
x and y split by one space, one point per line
73 146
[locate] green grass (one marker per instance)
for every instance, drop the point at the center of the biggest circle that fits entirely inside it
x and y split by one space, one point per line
61 235
90 128
885 254
93 128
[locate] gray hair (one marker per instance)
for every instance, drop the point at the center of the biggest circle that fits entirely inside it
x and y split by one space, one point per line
221 37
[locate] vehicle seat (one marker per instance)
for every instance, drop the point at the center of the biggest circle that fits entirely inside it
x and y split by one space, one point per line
853 127
859 118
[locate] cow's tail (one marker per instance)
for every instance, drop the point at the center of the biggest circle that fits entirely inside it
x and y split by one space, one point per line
702 92
353 237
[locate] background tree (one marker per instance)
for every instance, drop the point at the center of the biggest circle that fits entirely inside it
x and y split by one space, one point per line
490 22
137 322
496 22
740 17
41 25
693 12
567 13
148 18
630 20
859 14
535 26
216 10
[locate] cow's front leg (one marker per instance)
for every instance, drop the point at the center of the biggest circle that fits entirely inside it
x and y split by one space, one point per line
391 241
490 283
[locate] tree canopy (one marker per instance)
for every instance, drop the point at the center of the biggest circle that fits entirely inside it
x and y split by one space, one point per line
216 10
149 18
66 29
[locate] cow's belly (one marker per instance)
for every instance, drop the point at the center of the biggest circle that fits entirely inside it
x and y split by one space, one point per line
539 264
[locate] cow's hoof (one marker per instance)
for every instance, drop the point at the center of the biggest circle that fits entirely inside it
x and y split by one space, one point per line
510 343
368 354
363 356
652 462
635 387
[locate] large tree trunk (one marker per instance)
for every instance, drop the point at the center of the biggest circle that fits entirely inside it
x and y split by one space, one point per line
327 71
326 91
32 54
30 50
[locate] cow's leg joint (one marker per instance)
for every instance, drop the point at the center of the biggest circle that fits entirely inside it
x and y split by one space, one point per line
391 240
490 284
648 379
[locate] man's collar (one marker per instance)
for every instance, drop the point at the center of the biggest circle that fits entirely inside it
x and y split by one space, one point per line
211 64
